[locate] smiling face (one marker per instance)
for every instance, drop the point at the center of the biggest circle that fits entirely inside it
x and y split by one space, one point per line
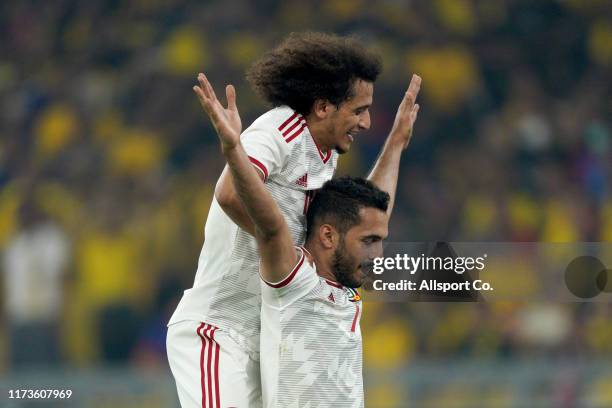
350 117
357 248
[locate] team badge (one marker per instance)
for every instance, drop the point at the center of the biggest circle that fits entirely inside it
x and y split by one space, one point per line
353 295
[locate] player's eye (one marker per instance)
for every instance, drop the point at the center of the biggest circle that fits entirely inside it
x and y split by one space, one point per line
370 240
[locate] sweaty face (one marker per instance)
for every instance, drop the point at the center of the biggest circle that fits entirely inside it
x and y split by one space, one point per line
358 247
351 117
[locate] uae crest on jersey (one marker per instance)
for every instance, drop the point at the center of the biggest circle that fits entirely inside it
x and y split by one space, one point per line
353 295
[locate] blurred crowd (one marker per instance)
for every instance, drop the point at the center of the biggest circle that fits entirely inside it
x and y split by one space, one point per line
108 166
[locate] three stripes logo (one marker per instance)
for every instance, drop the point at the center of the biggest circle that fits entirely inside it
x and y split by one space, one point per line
292 127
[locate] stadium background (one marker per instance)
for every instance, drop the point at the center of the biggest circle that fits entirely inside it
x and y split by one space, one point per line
107 168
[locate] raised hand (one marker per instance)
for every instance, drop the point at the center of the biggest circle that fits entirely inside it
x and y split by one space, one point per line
407 112
225 120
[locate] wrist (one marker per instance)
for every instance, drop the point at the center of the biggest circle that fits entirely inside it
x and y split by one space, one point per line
228 148
398 140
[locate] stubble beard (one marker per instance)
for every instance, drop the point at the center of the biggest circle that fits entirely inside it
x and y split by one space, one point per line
344 267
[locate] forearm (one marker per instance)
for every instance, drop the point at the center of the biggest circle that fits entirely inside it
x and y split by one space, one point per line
271 231
240 217
256 200
228 200
385 172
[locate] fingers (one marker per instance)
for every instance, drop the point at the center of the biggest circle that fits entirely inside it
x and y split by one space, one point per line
204 101
207 95
230 93
415 85
199 92
413 91
209 92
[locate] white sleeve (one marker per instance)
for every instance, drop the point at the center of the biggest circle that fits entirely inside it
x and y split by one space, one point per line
299 282
266 148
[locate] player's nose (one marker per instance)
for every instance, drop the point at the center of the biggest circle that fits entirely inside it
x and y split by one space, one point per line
375 251
364 120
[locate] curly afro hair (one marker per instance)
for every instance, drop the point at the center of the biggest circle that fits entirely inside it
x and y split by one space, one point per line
310 66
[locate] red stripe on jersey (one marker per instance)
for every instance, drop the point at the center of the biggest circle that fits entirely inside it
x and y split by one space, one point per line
326 158
289 277
202 367
296 133
327 154
285 123
290 128
260 166
334 284
355 318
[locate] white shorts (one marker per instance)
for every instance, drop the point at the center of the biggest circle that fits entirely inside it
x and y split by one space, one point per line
210 369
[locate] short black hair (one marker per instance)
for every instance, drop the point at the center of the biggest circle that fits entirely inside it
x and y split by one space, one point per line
310 66
339 200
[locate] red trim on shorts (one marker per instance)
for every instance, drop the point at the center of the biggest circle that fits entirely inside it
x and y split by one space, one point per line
260 167
218 397
355 318
289 277
202 371
210 391
207 334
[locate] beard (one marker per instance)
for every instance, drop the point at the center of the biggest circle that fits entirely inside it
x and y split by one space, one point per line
345 267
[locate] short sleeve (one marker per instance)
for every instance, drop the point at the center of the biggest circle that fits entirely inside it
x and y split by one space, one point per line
266 149
301 280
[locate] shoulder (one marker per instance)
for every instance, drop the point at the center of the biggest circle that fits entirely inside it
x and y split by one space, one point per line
283 123
302 263
302 279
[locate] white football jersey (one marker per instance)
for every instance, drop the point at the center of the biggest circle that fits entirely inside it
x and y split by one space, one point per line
226 292
310 342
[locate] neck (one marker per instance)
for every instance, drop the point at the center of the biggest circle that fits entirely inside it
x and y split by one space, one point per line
322 260
317 129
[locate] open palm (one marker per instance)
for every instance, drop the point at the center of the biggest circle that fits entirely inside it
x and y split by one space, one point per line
225 120
407 111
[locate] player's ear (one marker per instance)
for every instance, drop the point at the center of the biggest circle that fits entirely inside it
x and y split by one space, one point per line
328 236
322 108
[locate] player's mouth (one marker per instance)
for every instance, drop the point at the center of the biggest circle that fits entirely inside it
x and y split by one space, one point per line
351 136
